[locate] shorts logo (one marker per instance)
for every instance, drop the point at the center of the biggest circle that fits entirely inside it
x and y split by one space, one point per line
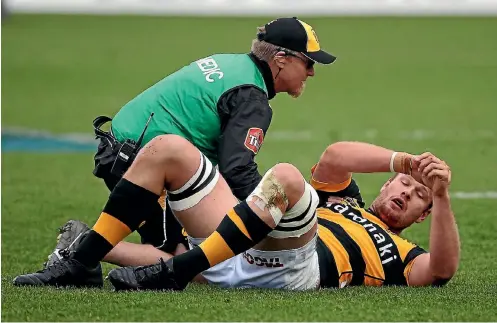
261 261
254 139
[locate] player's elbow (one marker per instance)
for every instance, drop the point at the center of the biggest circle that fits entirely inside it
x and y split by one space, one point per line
444 274
447 275
439 282
333 155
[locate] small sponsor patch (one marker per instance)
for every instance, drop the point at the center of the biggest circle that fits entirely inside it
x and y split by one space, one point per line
272 262
254 139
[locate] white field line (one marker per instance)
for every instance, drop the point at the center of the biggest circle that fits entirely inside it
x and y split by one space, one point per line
81 138
423 135
486 195
305 135
374 134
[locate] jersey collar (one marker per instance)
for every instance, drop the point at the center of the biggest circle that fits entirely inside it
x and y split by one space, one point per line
266 74
376 219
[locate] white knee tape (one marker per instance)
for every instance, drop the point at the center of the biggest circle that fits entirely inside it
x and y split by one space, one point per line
196 188
300 218
269 193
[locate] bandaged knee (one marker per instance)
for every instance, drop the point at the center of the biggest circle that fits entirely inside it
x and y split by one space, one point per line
196 188
294 222
270 194
300 218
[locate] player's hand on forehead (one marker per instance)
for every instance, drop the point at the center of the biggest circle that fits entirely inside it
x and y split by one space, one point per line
432 172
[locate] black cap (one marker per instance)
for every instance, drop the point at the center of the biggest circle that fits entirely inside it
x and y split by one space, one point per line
296 35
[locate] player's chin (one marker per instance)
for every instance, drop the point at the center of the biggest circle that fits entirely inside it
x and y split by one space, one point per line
298 92
390 216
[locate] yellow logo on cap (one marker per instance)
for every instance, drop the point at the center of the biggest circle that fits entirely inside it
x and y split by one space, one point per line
312 38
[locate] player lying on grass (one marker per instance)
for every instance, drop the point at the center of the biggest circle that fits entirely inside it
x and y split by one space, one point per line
354 246
277 237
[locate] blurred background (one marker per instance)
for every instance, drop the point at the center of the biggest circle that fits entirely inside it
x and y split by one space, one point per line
412 75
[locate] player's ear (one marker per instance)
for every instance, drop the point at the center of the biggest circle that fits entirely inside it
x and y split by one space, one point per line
423 216
280 59
386 185
388 182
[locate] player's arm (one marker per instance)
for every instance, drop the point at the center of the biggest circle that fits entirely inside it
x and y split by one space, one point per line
440 265
245 117
341 159
333 172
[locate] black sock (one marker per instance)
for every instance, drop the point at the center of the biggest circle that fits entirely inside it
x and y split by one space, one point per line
128 206
240 230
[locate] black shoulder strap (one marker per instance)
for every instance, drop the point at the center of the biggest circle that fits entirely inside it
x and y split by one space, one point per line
98 122
99 133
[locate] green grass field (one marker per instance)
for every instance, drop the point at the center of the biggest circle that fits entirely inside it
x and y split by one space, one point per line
411 84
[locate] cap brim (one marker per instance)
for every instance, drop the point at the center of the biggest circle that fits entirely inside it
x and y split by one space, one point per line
321 57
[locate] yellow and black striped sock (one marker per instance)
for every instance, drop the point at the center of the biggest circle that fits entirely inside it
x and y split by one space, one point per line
128 206
240 230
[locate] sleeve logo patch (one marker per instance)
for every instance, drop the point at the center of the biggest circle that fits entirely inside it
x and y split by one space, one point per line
254 139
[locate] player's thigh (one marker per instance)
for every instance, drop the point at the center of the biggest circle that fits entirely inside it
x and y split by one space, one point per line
295 268
201 219
167 161
273 244
197 194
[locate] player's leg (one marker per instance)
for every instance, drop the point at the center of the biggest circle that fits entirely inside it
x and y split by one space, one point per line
133 254
163 232
286 259
245 225
167 161
153 230
123 254
73 232
266 210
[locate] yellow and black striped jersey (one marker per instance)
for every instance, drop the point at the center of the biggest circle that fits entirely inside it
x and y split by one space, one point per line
354 246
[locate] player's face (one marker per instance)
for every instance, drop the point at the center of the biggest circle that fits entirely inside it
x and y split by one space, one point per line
403 201
296 72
